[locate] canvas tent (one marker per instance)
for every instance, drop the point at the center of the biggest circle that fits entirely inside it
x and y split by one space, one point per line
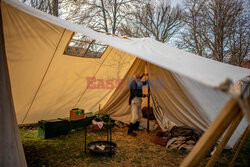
44 83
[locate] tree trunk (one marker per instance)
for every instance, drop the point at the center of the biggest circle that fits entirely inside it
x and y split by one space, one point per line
104 17
55 8
114 17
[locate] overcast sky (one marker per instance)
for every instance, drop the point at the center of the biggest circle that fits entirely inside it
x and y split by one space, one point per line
175 2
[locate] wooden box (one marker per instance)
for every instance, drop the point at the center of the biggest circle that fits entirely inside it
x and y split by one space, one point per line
160 140
76 114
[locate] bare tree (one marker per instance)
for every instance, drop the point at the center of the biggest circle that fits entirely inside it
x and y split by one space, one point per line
55 7
190 38
48 6
160 21
217 29
101 15
218 25
239 39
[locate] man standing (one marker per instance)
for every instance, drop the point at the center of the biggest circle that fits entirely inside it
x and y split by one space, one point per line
135 101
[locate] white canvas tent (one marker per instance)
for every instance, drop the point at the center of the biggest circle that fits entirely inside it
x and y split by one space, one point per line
46 84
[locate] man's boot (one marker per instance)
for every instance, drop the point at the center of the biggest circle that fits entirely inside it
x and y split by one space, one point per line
137 125
130 130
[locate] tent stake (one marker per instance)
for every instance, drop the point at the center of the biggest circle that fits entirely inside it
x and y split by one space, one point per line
213 133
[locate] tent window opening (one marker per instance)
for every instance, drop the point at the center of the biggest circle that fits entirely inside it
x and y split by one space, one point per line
83 46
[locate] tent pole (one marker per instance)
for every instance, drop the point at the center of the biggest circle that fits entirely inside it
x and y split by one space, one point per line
225 139
148 113
238 149
213 133
148 109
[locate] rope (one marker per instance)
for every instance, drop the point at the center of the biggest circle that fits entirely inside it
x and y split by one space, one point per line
238 94
244 106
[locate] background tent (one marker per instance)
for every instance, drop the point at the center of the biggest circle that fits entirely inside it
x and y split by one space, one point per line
180 100
46 84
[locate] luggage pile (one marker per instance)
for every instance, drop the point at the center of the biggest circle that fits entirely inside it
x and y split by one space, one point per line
181 138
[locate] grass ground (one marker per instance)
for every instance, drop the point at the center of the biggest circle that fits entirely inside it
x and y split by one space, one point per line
131 151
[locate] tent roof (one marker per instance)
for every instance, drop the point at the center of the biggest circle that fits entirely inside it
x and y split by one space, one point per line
206 71
46 84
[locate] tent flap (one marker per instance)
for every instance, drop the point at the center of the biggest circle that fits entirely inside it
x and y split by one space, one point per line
11 149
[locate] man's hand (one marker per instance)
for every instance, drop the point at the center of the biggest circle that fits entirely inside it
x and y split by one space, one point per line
142 76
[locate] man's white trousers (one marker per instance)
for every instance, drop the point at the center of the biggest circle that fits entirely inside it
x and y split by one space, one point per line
136 109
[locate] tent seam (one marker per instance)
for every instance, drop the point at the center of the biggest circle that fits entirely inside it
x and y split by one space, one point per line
45 74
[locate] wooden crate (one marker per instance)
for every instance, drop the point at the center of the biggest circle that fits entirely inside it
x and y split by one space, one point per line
76 114
160 140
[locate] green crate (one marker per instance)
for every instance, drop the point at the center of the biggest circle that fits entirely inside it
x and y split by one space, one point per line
52 128
77 124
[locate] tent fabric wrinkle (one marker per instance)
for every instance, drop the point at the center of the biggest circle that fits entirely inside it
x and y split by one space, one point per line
173 99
